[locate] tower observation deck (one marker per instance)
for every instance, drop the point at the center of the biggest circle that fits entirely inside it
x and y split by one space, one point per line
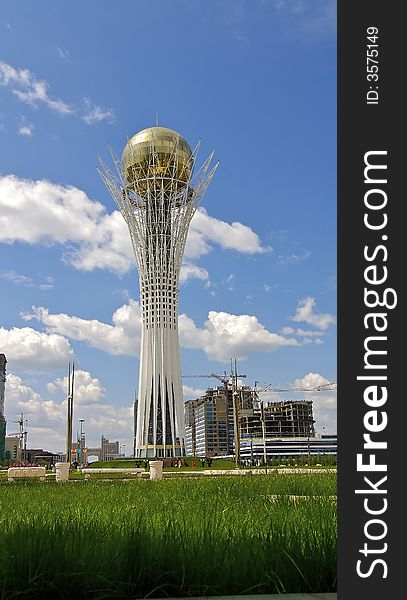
157 192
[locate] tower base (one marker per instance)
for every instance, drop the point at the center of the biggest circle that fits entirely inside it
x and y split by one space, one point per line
159 451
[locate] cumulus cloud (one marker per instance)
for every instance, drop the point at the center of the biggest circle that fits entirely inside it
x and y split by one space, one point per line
88 389
229 236
311 380
222 336
305 313
324 401
47 416
93 238
27 348
54 212
191 393
122 337
225 335
189 271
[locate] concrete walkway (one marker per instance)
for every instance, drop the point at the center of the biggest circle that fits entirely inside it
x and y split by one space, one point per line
264 597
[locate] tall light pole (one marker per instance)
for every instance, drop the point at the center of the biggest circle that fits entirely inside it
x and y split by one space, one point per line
263 428
235 404
71 378
157 196
81 443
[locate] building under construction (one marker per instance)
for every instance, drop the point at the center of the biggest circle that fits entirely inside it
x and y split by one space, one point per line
210 420
3 362
289 418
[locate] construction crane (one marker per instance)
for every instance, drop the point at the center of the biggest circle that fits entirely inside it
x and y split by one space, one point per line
330 386
22 435
232 381
225 379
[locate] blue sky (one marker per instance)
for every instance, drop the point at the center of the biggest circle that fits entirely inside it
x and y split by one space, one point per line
256 81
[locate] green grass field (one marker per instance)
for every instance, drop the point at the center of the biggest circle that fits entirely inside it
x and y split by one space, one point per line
113 540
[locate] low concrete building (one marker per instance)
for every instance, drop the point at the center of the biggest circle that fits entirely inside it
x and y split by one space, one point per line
252 448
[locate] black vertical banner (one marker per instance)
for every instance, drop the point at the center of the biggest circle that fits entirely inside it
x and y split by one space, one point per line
372 403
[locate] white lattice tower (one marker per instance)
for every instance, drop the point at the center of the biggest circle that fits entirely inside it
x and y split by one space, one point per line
158 198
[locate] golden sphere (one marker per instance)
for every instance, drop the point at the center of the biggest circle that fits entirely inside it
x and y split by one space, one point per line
157 158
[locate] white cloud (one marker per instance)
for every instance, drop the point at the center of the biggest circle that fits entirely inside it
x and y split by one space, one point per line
120 338
311 380
305 313
19 279
225 335
229 236
300 332
222 336
88 389
64 54
27 348
95 114
47 416
191 393
57 213
25 127
92 237
30 90
229 282
188 271
287 259
324 401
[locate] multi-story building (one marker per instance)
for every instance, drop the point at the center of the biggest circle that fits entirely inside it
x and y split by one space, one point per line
190 429
12 448
252 449
210 422
207 427
288 418
94 452
108 450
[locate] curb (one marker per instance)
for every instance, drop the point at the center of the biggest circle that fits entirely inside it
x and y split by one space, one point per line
314 596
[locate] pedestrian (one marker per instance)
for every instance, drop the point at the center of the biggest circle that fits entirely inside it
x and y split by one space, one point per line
193 464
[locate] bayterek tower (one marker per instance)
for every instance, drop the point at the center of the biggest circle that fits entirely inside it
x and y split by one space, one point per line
158 189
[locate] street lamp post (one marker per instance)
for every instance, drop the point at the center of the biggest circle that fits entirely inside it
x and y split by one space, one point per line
81 444
263 427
